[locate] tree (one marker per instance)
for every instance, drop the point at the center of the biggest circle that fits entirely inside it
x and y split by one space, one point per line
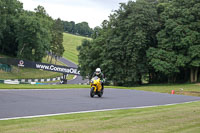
41 12
134 27
83 29
2 20
9 13
96 32
69 26
178 40
27 34
79 28
56 47
85 62
34 35
120 46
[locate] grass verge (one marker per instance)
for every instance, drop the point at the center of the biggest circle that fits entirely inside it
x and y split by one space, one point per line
181 118
183 89
28 86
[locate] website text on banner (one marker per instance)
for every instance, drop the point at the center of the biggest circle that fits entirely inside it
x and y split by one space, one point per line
38 65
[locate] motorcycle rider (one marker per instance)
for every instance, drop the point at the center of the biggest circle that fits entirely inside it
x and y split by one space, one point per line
100 75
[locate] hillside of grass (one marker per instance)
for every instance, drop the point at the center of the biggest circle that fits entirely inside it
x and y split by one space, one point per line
70 43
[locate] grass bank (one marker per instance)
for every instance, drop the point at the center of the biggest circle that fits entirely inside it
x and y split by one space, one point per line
182 118
26 73
70 43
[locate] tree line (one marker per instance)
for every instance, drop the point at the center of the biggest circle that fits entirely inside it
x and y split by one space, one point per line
29 35
82 28
153 40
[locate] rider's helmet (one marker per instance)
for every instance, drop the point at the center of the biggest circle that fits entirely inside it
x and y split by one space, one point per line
98 71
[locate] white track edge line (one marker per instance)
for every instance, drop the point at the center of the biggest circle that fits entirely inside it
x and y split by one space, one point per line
91 111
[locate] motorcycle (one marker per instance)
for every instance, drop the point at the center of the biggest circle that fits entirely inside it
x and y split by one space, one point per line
96 87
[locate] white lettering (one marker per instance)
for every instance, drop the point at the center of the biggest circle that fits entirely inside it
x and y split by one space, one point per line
51 67
58 69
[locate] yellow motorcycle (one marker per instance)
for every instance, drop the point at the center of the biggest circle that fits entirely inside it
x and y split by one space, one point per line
96 87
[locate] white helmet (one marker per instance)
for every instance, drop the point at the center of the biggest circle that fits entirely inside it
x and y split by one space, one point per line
98 70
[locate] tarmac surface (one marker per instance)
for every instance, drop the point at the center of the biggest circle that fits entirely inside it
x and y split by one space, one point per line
23 103
78 79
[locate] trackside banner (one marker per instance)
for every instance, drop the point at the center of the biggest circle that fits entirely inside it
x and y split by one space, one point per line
37 65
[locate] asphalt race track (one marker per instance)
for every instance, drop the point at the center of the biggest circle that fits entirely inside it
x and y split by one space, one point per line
22 103
78 79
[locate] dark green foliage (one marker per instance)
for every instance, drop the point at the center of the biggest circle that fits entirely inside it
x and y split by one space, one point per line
2 20
33 36
179 40
158 39
26 34
69 27
56 47
120 46
9 13
85 63
78 29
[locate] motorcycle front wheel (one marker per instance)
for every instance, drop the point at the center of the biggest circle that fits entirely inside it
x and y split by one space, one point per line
92 92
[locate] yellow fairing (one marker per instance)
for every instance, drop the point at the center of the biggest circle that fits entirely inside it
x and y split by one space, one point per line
96 84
